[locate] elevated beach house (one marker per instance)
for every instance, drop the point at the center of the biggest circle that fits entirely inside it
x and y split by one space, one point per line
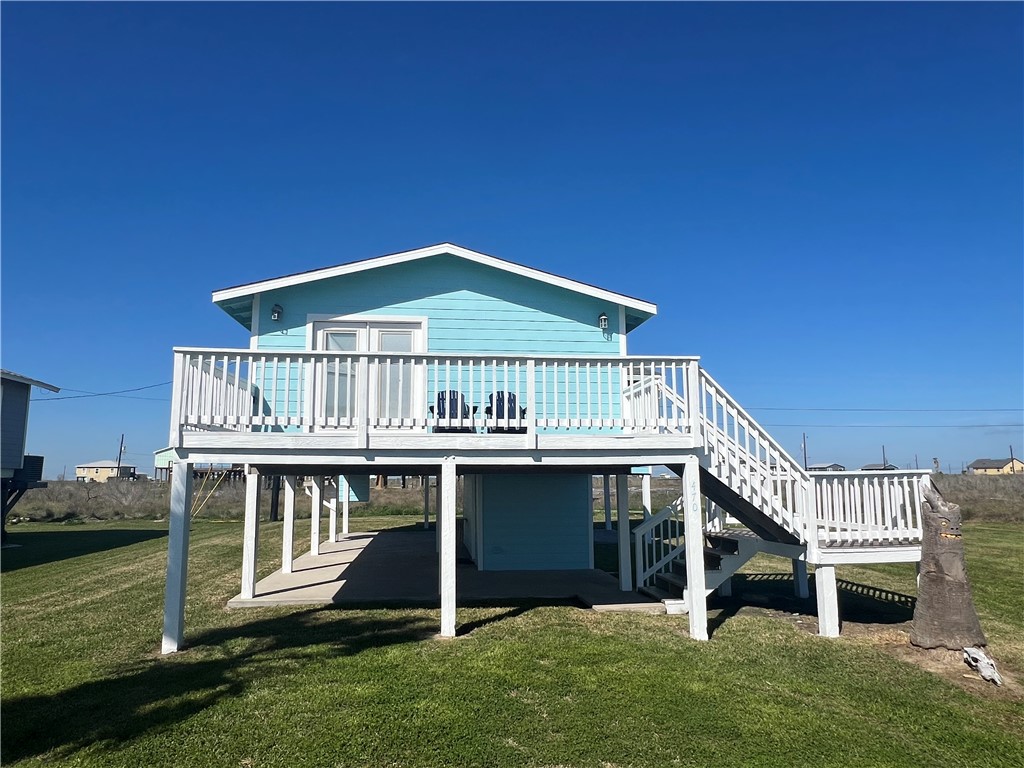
447 362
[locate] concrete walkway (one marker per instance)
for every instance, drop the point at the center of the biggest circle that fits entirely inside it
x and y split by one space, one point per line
401 568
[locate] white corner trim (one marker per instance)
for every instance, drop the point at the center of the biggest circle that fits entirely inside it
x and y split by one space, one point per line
250 289
622 330
254 326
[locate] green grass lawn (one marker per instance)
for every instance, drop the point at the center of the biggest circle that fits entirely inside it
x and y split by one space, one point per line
83 684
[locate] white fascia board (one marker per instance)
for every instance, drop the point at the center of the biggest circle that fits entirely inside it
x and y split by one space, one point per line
434 250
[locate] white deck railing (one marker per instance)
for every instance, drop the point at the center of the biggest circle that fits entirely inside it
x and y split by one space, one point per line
246 391
857 508
327 392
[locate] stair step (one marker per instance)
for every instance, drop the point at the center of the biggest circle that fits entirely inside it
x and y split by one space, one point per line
656 593
672 583
712 561
723 543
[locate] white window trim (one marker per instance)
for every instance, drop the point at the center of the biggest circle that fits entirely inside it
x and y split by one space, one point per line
419 340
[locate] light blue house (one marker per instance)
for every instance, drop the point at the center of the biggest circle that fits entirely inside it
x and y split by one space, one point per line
447 362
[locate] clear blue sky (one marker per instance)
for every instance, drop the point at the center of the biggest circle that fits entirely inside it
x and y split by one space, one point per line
825 201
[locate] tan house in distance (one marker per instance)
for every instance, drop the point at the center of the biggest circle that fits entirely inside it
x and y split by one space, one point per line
997 467
101 471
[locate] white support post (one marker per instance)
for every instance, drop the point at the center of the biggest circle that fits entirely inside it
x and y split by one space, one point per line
694 534
426 501
288 535
625 554
332 511
345 491
800 586
437 512
316 510
828 600
448 545
177 558
250 535
607 503
645 492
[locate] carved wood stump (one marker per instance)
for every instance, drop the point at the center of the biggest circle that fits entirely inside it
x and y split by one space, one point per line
944 616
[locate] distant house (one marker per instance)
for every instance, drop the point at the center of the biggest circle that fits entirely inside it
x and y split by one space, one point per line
101 471
826 468
996 467
879 468
18 472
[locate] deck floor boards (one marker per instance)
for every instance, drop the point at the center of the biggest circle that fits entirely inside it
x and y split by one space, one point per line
401 568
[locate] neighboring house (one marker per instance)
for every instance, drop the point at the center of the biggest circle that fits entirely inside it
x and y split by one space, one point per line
826 468
448 362
996 467
878 468
102 471
19 472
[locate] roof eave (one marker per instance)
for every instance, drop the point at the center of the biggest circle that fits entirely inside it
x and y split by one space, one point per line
250 289
12 376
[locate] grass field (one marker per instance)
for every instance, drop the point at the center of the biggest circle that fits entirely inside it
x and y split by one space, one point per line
82 683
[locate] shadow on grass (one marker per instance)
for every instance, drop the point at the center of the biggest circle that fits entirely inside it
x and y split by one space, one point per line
159 693
861 603
39 547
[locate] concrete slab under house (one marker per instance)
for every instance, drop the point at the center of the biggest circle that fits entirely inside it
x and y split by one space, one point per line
514 387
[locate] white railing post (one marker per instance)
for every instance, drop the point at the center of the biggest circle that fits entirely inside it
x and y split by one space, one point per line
531 405
692 400
363 402
177 393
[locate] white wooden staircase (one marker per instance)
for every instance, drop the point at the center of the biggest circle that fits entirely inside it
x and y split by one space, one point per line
773 506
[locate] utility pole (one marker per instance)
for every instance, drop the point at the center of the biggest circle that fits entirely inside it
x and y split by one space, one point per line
885 463
1013 469
120 450
805 451
916 465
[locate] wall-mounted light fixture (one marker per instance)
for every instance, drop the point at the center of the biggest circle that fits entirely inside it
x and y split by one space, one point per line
276 312
602 321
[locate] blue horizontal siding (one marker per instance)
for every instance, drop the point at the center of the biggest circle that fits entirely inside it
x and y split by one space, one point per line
535 522
470 308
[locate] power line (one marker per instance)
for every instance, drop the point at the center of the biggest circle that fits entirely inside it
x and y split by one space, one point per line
894 410
104 394
895 426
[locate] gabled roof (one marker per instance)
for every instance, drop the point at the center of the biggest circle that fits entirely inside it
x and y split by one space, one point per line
988 464
105 464
879 467
11 376
234 298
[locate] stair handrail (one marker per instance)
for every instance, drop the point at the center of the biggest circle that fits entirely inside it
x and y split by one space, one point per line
739 409
670 516
799 519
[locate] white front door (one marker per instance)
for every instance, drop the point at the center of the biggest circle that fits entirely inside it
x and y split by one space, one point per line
394 383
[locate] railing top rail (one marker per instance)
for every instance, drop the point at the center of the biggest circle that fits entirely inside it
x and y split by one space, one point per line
447 355
739 409
657 518
824 473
